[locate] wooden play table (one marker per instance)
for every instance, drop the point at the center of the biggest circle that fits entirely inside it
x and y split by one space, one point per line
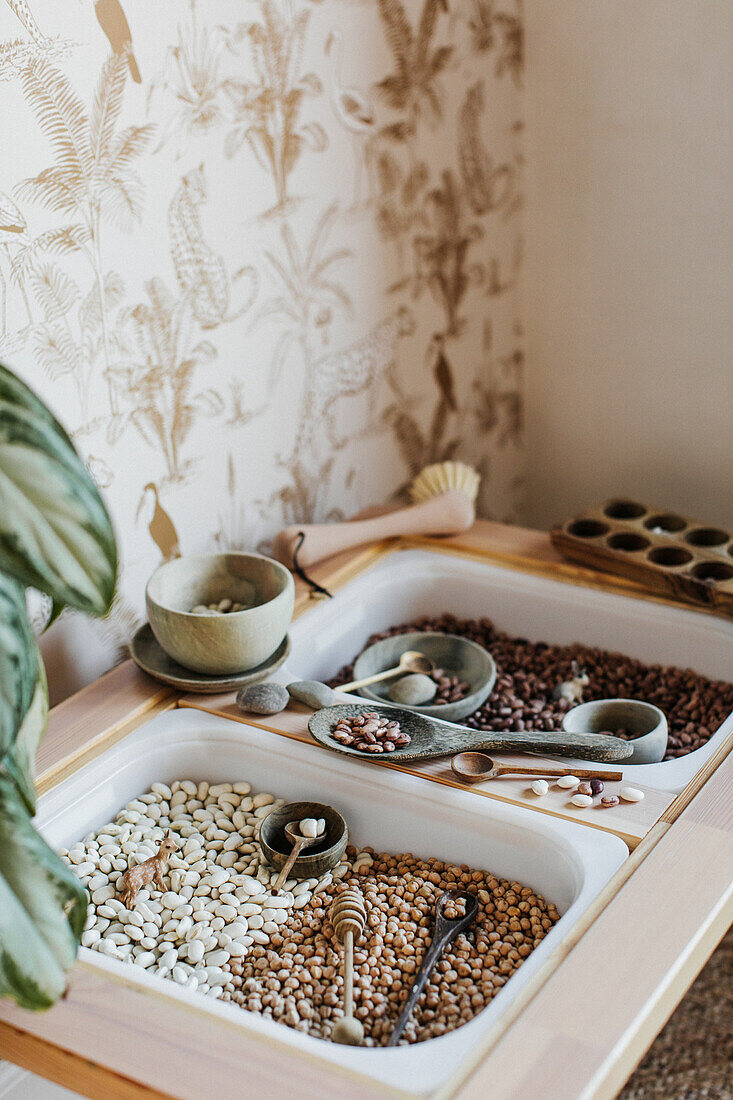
579 1027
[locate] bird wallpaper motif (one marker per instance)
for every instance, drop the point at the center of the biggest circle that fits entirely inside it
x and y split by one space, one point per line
263 259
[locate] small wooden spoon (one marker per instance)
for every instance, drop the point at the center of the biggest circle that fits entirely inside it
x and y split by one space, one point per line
299 842
474 767
410 661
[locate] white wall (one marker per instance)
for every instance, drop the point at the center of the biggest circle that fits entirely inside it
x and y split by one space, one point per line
630 255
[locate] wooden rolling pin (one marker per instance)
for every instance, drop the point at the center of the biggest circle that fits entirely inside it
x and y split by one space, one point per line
348 917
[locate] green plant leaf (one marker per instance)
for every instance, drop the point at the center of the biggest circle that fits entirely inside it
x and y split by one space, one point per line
55 533
18 662
19 761
42 909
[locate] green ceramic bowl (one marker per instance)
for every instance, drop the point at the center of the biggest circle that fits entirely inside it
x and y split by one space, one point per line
219 645
647 722
458 656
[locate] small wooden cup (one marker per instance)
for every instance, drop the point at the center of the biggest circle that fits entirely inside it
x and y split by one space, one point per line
314 861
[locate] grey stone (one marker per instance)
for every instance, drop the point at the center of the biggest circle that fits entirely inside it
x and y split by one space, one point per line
313 693
413 690
269 698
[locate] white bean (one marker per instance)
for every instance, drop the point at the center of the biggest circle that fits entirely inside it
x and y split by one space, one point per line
195 951
104 893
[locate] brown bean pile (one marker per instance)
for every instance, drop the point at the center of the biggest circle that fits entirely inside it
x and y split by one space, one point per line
529 671
370 732
450 688
297 979
625 735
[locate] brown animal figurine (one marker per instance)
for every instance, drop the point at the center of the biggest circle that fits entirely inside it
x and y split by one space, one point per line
150 871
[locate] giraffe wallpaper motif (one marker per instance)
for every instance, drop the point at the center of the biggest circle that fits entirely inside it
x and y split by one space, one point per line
262 258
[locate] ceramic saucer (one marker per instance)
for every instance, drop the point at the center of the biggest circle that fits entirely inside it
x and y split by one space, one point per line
152 658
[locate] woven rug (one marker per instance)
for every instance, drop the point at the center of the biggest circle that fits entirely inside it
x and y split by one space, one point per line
692 1058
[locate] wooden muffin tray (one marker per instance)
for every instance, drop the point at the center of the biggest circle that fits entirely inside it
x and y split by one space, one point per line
666 552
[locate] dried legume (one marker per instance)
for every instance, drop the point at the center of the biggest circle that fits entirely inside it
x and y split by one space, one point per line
528 672
370 732
297 981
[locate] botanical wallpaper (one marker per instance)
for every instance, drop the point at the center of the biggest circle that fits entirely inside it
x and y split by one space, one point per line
262 257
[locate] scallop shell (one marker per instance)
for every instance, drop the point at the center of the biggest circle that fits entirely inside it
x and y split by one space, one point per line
442 477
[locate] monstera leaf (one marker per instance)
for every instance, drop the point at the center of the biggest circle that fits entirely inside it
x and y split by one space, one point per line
55 533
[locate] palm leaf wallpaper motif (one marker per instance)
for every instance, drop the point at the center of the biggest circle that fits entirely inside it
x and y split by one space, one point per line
264 259
267 110
92 183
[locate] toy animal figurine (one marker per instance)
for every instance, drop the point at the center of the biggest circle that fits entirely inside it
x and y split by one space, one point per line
150 871
572 690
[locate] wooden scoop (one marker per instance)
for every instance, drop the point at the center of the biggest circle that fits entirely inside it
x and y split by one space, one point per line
474 767
410 661
445 931
299 842
431 737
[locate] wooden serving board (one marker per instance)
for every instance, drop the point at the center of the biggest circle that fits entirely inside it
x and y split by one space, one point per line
667 553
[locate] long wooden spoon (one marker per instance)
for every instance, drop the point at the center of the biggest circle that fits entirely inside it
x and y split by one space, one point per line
474 767
445 931
432 737
410 661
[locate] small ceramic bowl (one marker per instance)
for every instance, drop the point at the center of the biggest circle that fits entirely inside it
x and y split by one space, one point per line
458 656
314 861
219 645
644 719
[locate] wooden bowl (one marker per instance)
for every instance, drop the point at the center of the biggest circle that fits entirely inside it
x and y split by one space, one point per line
458 656
219 645
314 861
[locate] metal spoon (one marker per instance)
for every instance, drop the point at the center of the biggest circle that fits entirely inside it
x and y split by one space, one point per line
299 842
445 932
410 661
474 767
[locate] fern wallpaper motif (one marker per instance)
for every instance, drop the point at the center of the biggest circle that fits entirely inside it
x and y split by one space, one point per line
262 257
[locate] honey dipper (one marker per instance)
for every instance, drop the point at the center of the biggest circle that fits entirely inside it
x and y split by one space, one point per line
348 917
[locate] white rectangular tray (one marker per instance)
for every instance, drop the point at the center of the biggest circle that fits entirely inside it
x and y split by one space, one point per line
409 583
567 863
